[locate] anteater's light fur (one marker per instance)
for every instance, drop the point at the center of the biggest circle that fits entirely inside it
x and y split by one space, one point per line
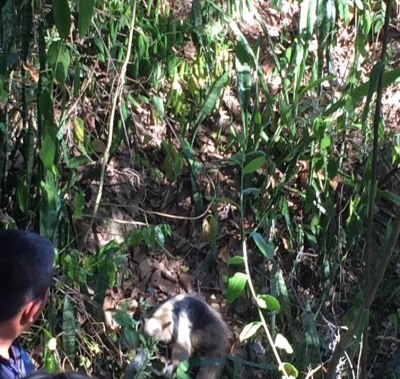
193 328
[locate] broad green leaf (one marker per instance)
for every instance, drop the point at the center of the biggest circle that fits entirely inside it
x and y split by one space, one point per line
49 207
310 198
254 165
149 237
196 15
236 286
79 130
79 202
213 231
236 260
244 84
21 192
80 160
62 17
266 248
159 105
333 167
325 143
69 336
358 93
86 10
159 236
395 199
131 337
59 60
211 99
308 17
47 152
315 83
236 159
290 370
46 106
182 370
249 330
268 302
373 85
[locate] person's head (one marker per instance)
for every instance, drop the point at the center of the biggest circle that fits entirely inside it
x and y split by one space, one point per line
60 375
26 273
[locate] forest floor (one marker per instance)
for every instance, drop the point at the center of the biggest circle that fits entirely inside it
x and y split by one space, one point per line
134 196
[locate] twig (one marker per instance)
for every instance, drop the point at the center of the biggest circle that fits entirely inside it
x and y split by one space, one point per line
116 98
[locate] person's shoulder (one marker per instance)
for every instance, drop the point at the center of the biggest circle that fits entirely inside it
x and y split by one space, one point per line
23 357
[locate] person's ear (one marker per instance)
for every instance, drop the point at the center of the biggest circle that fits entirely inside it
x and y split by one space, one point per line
32 311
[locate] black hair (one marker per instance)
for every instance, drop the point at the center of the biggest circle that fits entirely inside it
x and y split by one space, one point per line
197 311
61 375
26 269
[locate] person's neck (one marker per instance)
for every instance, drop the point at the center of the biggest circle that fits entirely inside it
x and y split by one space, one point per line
7 337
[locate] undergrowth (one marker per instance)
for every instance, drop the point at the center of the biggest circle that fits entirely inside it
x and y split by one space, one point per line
134 132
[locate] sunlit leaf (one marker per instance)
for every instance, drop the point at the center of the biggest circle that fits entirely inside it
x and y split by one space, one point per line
290 370
47 152
235 286
249 330
236 260
254 165
79 130
268 302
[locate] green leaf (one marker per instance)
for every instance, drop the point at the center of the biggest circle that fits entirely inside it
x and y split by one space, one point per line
244 84
332 168
59 60
358 93
266 248
395 199
196 15
290 369
325 143
254 165
160 238
49 207
21 193
182 370
373 84
79 202
249 330
159 105
86 11
62 17
268 302
213 231
46 107
69 336
236 159
47 152
235 286
236 260
211 99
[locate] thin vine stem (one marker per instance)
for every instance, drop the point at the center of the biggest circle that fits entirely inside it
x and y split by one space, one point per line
249 279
